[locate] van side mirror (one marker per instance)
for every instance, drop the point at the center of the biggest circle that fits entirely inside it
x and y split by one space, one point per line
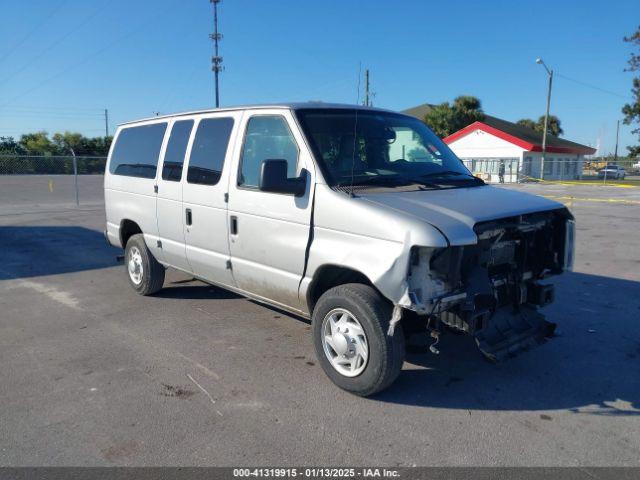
273 178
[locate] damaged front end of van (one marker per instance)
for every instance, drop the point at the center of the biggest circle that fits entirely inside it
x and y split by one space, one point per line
493 289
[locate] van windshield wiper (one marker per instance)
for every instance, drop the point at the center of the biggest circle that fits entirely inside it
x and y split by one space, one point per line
453 173
446 173
390 181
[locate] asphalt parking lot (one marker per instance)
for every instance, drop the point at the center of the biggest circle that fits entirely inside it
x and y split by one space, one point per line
93 374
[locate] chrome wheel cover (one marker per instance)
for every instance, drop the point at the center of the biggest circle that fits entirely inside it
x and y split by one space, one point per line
344 342
134 265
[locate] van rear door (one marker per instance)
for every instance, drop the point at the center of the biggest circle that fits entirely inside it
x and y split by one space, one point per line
205 189
130 180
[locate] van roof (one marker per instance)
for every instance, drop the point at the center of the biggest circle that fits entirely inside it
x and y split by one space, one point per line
291 106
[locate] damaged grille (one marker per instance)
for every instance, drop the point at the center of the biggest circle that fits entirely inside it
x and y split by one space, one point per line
504 268
493 289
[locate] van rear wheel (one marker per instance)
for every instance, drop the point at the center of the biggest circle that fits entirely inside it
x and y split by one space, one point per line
145 273
350 333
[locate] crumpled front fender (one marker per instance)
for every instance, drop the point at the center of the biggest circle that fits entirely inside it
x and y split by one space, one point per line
373 241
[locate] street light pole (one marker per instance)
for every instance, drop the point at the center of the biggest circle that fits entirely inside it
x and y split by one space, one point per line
546 116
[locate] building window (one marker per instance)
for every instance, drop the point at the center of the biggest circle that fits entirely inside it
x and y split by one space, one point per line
548 166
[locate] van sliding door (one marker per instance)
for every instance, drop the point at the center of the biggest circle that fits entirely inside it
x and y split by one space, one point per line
169 197
204 198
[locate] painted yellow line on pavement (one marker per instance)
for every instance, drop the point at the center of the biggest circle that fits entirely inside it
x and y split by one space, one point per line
594 183
582 199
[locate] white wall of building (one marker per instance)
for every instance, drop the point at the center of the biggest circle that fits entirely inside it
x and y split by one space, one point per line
480 144
483 152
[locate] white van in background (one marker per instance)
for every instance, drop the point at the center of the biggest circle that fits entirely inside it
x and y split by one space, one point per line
361 219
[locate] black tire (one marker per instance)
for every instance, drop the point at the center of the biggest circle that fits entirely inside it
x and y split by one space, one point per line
386 353
152 271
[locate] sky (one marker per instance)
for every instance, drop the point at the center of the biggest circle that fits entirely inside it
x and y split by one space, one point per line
62 62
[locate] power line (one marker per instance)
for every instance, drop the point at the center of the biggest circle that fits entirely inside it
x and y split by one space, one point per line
55 108
40 129
173 91
595 87
52 45
37 27
148 22
49 111
77 113
50 115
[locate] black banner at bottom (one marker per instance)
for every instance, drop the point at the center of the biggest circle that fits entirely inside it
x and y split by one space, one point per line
405 473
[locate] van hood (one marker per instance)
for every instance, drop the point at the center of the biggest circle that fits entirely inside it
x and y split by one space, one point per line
455 211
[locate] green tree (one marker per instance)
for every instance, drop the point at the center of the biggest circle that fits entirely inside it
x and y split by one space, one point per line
97 146
446 118
67 141
631 110
527 122
38 144
9 146
553 126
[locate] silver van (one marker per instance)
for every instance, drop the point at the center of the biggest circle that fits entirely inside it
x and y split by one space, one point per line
361 219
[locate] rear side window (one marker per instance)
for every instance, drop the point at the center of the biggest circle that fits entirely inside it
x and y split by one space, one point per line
267 138
176 150
136 151
208 151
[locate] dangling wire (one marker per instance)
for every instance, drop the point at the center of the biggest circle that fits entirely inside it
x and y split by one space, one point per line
434 333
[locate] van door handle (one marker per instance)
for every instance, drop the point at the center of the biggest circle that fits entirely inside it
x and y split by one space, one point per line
233 225
189 216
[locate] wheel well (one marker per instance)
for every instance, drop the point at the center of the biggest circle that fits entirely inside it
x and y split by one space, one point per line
128 228
330 276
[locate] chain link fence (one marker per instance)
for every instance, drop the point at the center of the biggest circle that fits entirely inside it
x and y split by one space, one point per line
517 170
51 180
54 180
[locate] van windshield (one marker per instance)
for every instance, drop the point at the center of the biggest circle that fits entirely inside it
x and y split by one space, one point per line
369 147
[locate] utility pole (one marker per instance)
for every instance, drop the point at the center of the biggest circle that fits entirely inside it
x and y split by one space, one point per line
615 155
106 122
75 175
366 88
216 60
546 116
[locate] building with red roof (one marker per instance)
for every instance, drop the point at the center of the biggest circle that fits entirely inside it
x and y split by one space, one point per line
485 146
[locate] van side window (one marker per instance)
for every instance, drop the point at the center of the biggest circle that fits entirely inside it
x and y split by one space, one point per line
176 150
208 151
267 138
136 151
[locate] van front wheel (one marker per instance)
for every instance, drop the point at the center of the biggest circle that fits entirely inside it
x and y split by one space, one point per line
350 333
145 274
